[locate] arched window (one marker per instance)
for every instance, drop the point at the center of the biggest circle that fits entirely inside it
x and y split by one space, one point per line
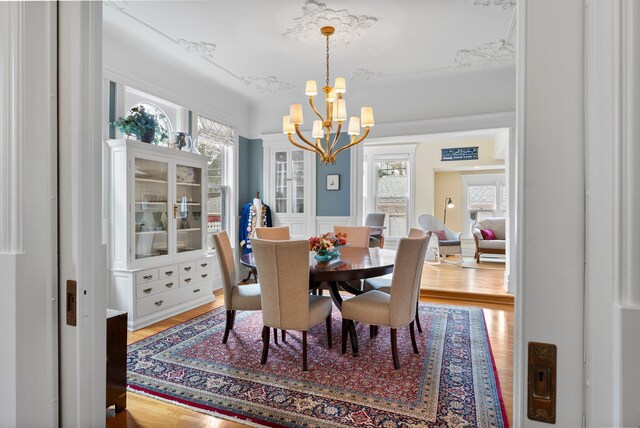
163 123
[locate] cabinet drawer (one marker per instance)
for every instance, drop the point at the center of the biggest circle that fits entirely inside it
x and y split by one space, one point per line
170 298
187 280
187 267
168 272
145 276
153 288
204 275
204 264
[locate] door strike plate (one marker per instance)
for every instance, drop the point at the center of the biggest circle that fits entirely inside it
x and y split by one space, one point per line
72 304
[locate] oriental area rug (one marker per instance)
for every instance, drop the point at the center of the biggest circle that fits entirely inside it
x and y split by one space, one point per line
452 382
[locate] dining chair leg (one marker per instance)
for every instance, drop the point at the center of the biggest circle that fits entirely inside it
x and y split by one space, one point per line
284 336
233 318
265 344
227 326
345 332
275 336
413 339
328 320
394 349
304 351
354 338
373 331
418 317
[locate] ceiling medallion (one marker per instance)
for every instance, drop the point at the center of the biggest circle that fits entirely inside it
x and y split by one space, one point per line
336 111
485 55
504 4
363 74
316 14
266 85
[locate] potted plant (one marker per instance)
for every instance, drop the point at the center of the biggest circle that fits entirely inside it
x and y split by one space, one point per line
142 124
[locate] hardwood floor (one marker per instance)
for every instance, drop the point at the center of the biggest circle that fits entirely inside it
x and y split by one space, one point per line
146 412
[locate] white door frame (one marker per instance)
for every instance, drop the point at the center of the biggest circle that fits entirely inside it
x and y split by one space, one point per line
82 244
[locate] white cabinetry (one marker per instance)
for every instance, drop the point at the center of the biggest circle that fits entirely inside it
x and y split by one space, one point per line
158 254
290 188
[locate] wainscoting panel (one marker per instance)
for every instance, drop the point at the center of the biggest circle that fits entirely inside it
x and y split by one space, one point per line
325 224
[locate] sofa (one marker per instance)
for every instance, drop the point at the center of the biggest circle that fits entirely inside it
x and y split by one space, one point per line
486 242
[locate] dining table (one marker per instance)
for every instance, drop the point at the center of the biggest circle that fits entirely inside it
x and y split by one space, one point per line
349 265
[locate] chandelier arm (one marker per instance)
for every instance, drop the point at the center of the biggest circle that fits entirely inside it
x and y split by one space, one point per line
317 147
313 107
336 136
353 141
292 141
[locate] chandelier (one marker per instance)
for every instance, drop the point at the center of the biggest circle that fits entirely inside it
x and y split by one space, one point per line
336 111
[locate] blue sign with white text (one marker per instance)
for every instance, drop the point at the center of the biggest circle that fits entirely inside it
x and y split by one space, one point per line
460 153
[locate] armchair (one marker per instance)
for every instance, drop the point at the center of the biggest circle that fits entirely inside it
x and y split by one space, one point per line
443 247
489 246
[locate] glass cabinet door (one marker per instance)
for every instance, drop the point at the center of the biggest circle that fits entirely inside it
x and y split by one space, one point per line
150 208
281 171
297 181
188 208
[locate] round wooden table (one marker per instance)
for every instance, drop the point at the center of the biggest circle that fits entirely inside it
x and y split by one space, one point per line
352 264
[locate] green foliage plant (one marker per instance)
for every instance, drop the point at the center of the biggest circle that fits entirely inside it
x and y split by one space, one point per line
140 123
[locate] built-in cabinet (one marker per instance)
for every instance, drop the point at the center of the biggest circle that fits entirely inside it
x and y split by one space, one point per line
159 261
289 177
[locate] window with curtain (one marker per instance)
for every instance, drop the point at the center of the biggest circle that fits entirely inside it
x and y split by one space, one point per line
214 140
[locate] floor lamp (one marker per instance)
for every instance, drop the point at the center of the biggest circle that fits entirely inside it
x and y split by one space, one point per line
448 203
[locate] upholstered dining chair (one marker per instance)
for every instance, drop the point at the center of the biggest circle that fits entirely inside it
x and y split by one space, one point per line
280 233
283 267
444 241
243 298
383 283
376 220
357 236
394 310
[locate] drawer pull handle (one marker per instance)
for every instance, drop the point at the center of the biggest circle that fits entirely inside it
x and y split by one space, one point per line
204 265
197 290
147 277
159 302
187 280
147 290
187 269
169 273
204 275
169 284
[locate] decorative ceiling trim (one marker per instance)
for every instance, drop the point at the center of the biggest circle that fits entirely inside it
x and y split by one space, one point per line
266 85
363 74
503 4
205 50
316 15
485 55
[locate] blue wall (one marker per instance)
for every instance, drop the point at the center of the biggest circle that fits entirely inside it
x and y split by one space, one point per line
334 202
250 178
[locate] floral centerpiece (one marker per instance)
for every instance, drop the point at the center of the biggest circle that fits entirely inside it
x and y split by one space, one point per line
326 245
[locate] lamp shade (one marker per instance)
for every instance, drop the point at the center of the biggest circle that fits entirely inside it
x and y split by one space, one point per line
341 110
366 117
450 203
295 114
331 96
340 86
354 125
312 88
287 126
318 131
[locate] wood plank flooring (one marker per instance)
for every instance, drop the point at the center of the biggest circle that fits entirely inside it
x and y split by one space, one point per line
146 412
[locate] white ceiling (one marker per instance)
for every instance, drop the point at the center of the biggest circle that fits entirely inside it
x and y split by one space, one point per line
267 48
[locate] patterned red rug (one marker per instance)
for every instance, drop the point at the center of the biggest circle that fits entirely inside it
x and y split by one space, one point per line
452 382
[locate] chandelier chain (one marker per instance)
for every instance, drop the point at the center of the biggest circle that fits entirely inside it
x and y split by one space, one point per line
327 60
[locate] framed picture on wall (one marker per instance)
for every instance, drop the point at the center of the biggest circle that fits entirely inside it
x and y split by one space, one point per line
333 181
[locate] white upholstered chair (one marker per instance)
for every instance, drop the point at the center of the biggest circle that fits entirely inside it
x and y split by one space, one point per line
383 283
443 247
283 267
394 310
357 236
376 220
280 233
243 298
